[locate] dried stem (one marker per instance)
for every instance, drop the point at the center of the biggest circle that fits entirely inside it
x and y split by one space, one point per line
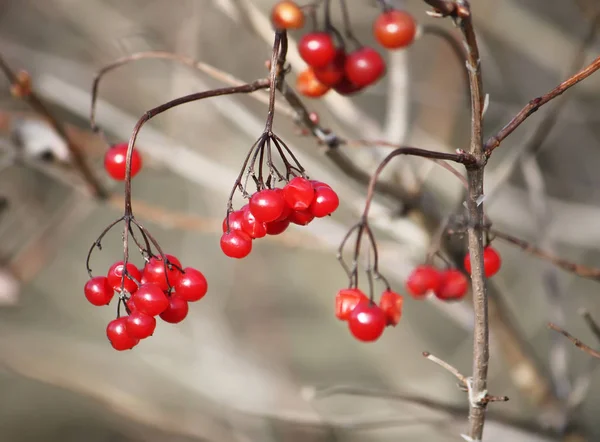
587 349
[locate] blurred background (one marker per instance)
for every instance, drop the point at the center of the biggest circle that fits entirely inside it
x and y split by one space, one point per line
262 357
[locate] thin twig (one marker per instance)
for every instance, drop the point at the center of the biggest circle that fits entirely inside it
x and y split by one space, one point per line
591 323
587 349
464 381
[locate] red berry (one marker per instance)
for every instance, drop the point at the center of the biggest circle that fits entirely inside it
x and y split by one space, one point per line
150 299
395 29
236 244
140 325
154 272
317 49
491 262
177 310
364 66
422 280
301 217
267 205
346 300
192 286
299 193
130 303
115 274
346 87
235 221
287 210
277 227
117 334
367 322
115 158
308 85
287 15
325 203
316 184
333 72
454 285
391 304
251 227
98 291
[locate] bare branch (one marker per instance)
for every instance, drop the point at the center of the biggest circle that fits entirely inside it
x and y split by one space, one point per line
591 323
587 349
453 370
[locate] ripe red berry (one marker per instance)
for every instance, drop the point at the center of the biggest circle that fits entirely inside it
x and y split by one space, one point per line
299 193
236 244
130 303
154 272
267 205
422 280
346 87
395 29
150 299
192 286
277 227
316 184
115 159
367 321
115 274
287 210
251 227
287 15
346 300
98 291
491 262
317 49
177 310
454 285
325 202
391 304
235 220
364 66
116 331
308 85
140 325
332 73
301 217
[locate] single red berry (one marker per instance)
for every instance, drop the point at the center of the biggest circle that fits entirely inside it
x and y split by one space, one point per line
287 15
154 272
117 334
150 299
267 205
192 286
325 203
332 73
367 321
364 66
422 280
346 87
395 29
391 304
491 262
308 85
235 221
454 285
177 310
115 274
299 193
98 291
301 217
251 227
317 49
130 303
346 300
140 325
277 227
236 244
115 159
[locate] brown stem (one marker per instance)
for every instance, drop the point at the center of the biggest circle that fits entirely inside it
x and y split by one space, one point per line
587 349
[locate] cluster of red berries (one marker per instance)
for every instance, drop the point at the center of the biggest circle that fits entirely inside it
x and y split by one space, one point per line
156 290
366 319
270 212
115 159
330 66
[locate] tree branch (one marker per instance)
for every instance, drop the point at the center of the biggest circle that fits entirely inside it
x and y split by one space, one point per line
580 345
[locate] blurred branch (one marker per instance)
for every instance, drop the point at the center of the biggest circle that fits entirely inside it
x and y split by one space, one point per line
583 347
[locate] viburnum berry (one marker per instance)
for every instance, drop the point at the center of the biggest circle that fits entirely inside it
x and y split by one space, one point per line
254 229
277 227
98 291
140 325
422 280
236 244
115 160
454 285
235 221
192 286
117 334
308 85
391 304
346 300
326 202
130 304
150 299
176 311
115 274
154 272
299 193
316 184
287 15
491 262
301 217
317 49
267 205
367 321
394 29
332 73
364 66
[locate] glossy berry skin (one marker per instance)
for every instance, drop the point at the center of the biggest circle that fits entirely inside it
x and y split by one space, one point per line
299 193
367 321
177 310
301 217
391 304
422 280
316 184
287 15
192 286
491 262
364 67
115 273
115 158
251 227
116 331
267 205
236 244
235 220
308 85
140 325
453 287
277 227
325 203
317 49
333 72
154 272
150 299
395 29
346 300
98 291
130 303
287 210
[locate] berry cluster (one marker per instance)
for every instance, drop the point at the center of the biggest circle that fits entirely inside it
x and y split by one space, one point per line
161 288
115 161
